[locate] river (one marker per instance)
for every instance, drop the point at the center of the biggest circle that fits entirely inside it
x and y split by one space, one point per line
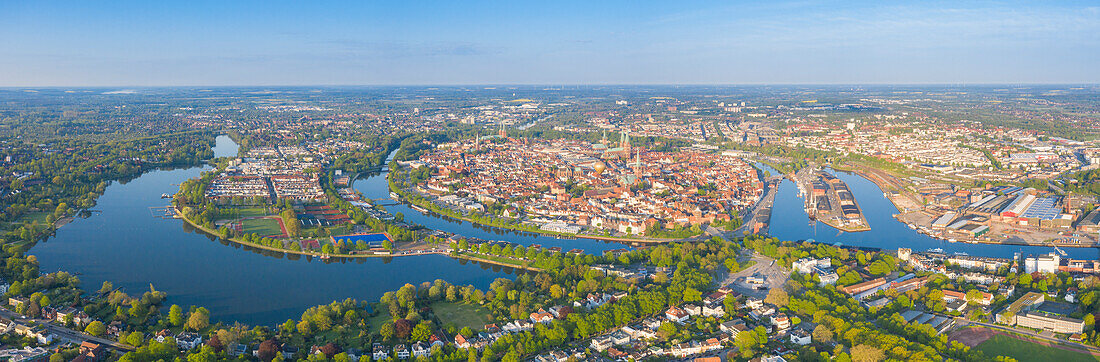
124 243
375 186
790 222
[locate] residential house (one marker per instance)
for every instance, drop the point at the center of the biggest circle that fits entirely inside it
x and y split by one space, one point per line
421 349
620 337
733 327
92 352
713 310
676 315
800 337
38 332
542 316
460 342
381 353
780 321
401 351
601 343
187 341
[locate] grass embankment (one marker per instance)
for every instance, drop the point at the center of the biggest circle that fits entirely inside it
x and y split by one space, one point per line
1021 350
497 260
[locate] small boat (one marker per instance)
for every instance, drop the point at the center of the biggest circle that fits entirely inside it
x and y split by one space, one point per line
394 195
936 250
165 196
960 253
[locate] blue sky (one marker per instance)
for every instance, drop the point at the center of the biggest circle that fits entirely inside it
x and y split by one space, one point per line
210 43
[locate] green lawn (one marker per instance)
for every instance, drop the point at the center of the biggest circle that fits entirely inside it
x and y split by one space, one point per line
264 227
461 314
1001 345
375 323
30 217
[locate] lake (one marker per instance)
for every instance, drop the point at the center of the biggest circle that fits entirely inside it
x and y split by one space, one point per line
124 243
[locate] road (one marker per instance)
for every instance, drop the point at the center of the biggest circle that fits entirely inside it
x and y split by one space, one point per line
761 212
965 322
65 333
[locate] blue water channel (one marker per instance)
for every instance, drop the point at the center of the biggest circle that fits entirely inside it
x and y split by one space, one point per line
790 222
123 242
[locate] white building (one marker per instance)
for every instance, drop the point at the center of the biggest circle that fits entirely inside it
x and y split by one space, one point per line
1043 263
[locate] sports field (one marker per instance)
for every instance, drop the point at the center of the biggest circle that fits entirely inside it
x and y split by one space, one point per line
1002 345
264 227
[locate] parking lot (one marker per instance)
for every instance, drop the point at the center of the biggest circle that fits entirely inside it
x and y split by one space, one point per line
771 273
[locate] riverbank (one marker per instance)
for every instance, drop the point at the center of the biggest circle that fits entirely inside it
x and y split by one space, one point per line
287 251
396 253
431 207
467 256
899 200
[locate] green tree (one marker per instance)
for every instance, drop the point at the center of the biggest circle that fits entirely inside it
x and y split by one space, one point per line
865 353
96 328
386 331
175 315
422 331
199 319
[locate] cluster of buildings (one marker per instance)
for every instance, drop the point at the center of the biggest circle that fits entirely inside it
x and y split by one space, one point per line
938 146
864 290
1033 311
267 178
1055 263
380 352
967 215
570 186
822 268
982 154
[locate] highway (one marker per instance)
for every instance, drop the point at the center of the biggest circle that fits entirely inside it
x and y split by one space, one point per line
65 333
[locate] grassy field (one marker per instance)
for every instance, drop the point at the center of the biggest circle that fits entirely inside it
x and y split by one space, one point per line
461 314
264 227
375 323
1001 345
30 217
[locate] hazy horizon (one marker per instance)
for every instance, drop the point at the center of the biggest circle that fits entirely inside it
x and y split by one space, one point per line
243 44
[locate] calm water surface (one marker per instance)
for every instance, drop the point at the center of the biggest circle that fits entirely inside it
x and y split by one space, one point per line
124 243
790 222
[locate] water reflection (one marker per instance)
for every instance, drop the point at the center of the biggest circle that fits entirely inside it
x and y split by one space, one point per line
123 243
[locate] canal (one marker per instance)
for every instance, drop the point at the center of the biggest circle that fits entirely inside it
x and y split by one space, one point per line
790 222
125 244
